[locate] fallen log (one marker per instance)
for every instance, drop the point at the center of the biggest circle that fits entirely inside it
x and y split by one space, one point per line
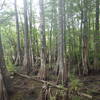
52 85
42 81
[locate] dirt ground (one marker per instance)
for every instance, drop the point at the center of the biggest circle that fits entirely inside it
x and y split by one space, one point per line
24 89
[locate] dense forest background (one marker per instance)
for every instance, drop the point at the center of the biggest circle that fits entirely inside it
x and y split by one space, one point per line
57 42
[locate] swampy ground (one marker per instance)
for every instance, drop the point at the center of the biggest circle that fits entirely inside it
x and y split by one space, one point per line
26 89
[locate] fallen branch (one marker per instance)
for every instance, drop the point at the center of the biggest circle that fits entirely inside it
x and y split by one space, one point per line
84 95
42 81
31 88
52 85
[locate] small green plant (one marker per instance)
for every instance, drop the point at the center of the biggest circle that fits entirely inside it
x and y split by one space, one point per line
75 83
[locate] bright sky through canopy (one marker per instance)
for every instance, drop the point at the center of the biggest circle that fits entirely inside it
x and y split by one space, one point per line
20 4
8 5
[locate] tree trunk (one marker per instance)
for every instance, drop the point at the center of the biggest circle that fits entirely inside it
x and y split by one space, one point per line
50 53
3 72
42 71
85 40
18 58
80 47
63 68
31 39
97 39
26 61
61 51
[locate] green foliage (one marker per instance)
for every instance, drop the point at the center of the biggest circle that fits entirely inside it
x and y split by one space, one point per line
9 65
75 83
52 98
76 98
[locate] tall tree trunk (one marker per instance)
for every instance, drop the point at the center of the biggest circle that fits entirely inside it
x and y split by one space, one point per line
80 67
42 72
3 72
63 68
31 39
80 47
85 40
97 39
18 59
50 53
65 74
61 40
26 61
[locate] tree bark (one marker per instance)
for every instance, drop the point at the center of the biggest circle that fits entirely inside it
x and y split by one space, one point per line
85 40
18 59
63 70
31 39
26 61
42 71
97 39
3 73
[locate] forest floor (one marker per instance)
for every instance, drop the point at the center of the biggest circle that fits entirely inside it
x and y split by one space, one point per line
92 86
25 89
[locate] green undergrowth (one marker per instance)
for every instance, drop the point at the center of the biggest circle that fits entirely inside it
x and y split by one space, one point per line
75 83
18 96
76 98
10 66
